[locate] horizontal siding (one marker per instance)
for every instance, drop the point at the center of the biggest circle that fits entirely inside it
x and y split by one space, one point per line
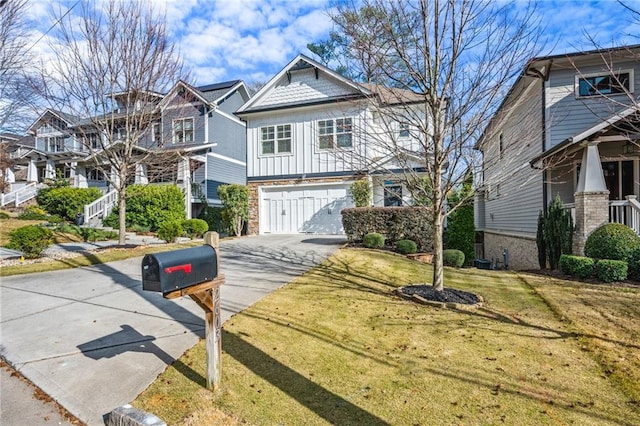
562 182
515 191
183 111
568 115
230 136
232 103
220 170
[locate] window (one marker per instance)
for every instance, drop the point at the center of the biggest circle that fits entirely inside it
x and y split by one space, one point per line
156 134
275 139
95 174
183 130
605 84
91 141
404 130
501 146
55 144
393 195
335 133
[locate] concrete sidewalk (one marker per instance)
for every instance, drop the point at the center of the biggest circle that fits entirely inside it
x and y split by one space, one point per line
93 340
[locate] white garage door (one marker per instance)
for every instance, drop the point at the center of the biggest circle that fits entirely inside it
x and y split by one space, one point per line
311 209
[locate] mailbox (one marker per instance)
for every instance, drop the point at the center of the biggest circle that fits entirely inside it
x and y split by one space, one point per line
174 270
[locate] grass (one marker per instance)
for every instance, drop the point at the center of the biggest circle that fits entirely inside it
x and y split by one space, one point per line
336 347
8 225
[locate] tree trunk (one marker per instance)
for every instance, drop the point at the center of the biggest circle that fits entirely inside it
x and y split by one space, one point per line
438 269
122 215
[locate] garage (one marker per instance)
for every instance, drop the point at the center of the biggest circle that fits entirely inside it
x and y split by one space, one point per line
303 209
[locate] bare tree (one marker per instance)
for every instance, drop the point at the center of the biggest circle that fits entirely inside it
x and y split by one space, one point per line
16 94
111 66
441 67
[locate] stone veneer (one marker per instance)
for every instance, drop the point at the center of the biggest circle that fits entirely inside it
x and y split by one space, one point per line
523 251
254 200
592 210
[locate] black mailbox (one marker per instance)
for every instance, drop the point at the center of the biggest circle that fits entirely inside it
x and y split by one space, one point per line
178 269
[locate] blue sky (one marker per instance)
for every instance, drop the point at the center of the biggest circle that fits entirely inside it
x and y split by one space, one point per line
253 39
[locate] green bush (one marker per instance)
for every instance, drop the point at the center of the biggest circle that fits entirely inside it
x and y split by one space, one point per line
170 231
373 240
633 265
542 248
33 213
453 257
360 191
557 232
406 247
194 228
613 241
30 240
149 206
461 231
608 270
4 215
66 202
577 266
139 229
395 223
235 199
213 216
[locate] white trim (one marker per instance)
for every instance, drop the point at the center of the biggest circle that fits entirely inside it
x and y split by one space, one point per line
229 116
306 184
603 124
230 91
173 131
225 158
188 104
206 123
579 76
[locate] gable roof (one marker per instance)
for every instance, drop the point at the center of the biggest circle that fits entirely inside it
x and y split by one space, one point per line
211 94
70 119
300 63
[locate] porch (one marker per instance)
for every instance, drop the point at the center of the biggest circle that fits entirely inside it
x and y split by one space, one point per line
625 211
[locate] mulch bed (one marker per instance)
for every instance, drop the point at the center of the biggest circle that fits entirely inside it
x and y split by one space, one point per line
447 295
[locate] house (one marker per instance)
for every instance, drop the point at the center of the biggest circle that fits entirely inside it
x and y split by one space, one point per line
193 126
568 127
310 134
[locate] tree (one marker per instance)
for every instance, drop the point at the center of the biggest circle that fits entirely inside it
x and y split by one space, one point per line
450 63
235 199
112 64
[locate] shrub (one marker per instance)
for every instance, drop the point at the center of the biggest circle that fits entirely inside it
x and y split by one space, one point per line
608 270
373 240
396 223
461 231
361 193
194 228
633 265
542 248
139 229
558 232
578 266
31 240
235 199
33 213
4 215
453 257
66 202
149 206
213 217
613 241
406 247
170 231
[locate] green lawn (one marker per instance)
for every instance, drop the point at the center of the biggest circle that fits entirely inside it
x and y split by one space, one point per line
335 346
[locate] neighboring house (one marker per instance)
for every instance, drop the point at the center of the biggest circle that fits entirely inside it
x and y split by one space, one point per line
310 135
13 146
196 124
569 127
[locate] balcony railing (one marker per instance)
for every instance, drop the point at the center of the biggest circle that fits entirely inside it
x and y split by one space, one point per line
626 212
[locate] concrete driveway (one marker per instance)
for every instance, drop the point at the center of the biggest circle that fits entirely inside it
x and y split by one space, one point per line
93 340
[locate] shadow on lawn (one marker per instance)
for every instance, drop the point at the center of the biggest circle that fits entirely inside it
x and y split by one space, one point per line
331 407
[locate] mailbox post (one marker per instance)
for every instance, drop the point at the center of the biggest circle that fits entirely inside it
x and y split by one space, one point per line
192 272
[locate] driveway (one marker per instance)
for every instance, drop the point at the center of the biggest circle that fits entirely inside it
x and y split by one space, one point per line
93 340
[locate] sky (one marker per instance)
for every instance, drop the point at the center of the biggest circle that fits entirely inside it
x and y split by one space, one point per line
252 40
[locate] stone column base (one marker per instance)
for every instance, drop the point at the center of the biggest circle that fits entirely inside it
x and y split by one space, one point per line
592 211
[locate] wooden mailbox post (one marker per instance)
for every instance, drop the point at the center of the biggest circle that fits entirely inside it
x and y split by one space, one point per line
207 295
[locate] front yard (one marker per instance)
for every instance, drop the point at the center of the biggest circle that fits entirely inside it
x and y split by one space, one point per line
335 346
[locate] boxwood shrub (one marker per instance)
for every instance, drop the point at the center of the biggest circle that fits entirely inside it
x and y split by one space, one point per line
373 240
612 241
577 266
608 270
453 257
30 240
170 231
395 223
406 247
194 228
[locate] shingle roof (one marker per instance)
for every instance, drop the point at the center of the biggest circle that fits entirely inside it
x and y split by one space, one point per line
211 92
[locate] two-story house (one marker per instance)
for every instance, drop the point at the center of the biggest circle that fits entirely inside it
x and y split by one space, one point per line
568 127
193 125
311 133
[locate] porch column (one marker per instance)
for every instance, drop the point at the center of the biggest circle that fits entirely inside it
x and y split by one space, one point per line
591 197
32 171
50 170
141 174
184 180
81 177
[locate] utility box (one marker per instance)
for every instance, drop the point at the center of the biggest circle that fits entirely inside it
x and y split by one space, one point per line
175 270
483 264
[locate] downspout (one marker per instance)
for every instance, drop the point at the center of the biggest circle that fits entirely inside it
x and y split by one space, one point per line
544 138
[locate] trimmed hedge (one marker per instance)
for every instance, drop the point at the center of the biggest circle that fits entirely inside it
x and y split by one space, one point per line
578 266
66 202
30 240
613 241
406 247
150 205
373 240
395 223
194 228
453 257
609 270
633 264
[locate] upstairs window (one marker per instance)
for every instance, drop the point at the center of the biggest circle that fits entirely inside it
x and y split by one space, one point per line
605 84
336 133
55 144
91 141
183 130
275 139
404 130
156 134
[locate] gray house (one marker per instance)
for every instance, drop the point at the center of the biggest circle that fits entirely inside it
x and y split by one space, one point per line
196 124
568 127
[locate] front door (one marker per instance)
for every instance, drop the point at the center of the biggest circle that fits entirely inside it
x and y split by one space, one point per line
618 175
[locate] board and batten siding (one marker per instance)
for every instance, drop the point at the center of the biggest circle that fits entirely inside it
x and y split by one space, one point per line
514 192
568 115
305 156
